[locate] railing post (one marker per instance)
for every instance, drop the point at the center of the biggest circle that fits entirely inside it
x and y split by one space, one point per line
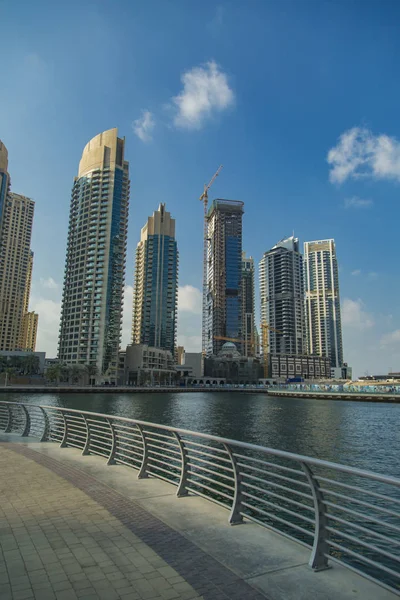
46 429
85 449
142 471
27 426
63 442
9 419
235 518
182 491
318 559
111 458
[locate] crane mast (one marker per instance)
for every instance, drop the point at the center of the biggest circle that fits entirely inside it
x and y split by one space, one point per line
204 198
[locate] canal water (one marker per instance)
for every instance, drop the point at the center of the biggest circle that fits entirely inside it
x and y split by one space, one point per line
360 434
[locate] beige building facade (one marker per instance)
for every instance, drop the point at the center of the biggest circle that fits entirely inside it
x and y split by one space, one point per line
91 313
30 319
15 256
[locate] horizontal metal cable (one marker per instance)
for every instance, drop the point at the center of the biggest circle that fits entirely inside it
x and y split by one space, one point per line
361 502
367 545
280 477
275 485
191 464
359 556
279 496
276 518
279 507
269 464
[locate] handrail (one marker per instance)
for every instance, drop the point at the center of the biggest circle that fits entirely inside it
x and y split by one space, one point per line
333 509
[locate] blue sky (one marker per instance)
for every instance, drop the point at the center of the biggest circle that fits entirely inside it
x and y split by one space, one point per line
268 89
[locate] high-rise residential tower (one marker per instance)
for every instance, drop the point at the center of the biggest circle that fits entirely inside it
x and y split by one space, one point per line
155 294
15 256
322 301
91 313
249 333
282 297
4 182
30 319
223 310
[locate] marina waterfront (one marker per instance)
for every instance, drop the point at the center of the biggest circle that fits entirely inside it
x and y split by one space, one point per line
360 434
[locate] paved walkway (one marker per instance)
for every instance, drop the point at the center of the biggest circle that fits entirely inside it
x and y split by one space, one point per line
65 535
73 528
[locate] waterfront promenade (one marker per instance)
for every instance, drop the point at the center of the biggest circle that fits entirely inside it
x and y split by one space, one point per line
71 528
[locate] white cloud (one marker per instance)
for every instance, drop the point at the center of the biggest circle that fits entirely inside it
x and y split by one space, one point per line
354 315
372 275
360 153
391 339
49 283
215 25
144 126
356 272
189 299
205 91
127 317
49 320
356 202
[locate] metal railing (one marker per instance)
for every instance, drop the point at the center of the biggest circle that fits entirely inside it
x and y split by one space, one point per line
343 514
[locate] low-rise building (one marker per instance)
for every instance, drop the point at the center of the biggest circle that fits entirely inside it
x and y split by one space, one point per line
230 366
146 365
306 366
21 359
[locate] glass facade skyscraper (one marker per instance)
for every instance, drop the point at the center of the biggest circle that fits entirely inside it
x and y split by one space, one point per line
248 307
282 297
322 301
223 310
155 294
91 313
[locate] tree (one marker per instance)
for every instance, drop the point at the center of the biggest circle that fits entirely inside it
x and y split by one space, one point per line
92 372
54 373
9 373
30 364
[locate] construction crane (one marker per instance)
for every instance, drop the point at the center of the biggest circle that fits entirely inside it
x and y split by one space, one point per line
265 328
204 198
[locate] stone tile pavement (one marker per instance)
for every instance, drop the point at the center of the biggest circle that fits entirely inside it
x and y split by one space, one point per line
65 535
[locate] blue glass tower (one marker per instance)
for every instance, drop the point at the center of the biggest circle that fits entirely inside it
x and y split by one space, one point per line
156 283
223 316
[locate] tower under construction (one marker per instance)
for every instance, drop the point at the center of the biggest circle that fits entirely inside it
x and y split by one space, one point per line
223 305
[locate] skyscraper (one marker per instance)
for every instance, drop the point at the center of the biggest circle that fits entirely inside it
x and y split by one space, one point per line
30 323
223 311
30 320
4 182
322 301
282 297
91 313
155 294
248 307
14 267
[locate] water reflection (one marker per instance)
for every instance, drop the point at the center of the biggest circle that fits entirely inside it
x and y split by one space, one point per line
361 434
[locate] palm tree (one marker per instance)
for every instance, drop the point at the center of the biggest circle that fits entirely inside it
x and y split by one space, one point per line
92 372
54 373
30 364
9 372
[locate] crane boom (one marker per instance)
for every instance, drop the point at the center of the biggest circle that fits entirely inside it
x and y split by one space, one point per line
204 198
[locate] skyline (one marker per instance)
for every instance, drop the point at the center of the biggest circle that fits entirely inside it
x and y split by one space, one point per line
305 127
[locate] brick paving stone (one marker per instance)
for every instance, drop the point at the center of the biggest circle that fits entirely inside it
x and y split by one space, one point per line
69 537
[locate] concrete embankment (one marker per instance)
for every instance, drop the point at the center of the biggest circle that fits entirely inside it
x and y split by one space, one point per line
353 396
